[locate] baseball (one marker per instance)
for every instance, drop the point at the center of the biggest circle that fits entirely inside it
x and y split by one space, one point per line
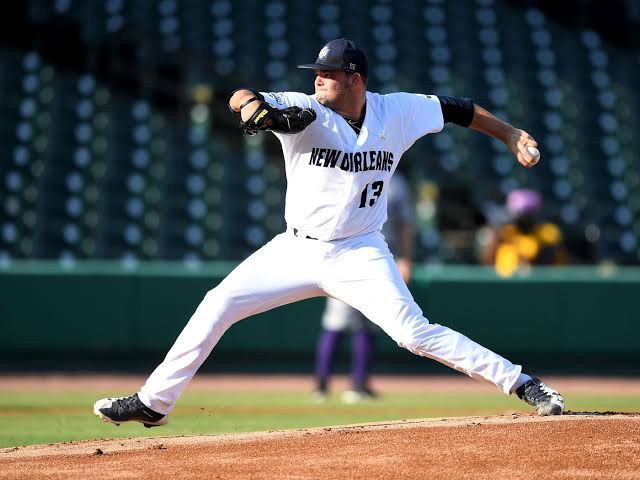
534 152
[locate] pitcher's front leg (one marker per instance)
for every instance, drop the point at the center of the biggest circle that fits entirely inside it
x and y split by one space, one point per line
367 278
275 275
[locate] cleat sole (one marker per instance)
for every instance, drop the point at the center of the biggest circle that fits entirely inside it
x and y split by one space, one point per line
548 410
106 419
103 417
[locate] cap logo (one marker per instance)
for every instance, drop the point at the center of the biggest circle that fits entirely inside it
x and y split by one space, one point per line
352 66
323 53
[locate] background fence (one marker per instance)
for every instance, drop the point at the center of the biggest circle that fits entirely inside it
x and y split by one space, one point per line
113 316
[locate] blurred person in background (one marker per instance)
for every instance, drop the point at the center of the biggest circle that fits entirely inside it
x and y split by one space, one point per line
525 239
338 317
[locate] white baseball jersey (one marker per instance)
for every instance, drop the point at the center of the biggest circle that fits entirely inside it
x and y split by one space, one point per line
336 177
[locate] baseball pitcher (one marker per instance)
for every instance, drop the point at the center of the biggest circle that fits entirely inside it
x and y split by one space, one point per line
340 146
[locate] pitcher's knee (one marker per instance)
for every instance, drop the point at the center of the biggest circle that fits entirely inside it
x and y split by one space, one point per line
220 306
212 300
413 335
408 340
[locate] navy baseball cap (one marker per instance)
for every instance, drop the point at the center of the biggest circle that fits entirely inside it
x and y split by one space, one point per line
341 54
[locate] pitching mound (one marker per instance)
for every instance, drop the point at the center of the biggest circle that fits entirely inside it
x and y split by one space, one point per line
576 445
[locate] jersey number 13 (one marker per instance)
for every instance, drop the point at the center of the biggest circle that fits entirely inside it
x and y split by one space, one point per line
376 190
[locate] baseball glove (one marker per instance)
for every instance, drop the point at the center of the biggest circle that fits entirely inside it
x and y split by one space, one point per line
288 120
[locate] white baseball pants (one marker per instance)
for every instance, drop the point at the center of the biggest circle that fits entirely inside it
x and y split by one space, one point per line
359 271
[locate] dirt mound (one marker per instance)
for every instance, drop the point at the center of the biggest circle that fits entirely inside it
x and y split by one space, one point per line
579 445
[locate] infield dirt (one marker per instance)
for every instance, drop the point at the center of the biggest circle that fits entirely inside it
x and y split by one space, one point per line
576 445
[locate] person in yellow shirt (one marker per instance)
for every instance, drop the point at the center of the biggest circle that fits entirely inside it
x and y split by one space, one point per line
525 240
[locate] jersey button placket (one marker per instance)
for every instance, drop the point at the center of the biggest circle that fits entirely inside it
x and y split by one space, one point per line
344 206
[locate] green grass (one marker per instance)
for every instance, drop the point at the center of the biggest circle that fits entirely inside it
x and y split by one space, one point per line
28 418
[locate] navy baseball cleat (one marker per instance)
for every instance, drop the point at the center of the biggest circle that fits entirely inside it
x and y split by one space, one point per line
541 396
128 409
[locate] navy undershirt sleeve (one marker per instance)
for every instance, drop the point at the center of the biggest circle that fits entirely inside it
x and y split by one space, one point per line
457 110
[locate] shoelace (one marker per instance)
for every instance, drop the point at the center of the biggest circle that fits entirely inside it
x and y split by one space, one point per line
547 389
542 392
126 404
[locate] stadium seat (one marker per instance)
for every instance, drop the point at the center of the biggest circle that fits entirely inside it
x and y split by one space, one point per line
118 150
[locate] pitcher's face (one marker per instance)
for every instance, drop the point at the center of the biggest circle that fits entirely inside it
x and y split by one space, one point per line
334 89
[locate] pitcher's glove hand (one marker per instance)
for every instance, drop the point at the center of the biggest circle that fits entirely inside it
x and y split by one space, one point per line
288 120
